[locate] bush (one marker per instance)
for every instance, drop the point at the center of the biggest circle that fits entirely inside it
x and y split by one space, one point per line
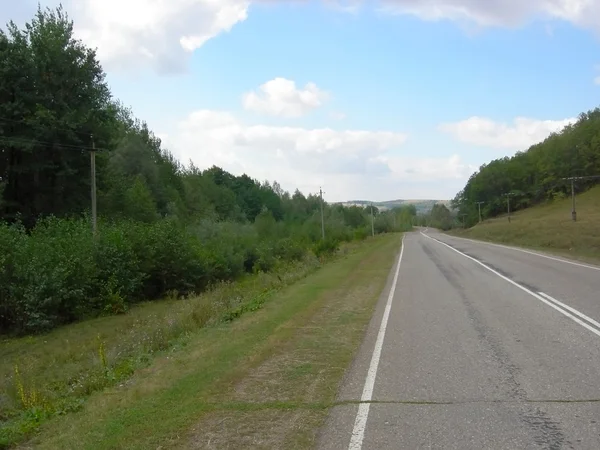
326 247
361 234
60 272
118 267
51 275
11 239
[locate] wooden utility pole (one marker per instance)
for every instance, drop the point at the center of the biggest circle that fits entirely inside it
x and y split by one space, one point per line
572 180
508 195
372 221
93 183
322 214
479 206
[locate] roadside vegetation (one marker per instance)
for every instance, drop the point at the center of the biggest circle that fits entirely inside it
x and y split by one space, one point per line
266 380
164 228
548 227
178 249
535 175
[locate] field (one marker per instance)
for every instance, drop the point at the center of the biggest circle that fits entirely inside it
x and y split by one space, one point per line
549 227
184 374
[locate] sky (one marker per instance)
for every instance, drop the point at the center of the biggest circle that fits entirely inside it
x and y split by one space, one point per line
376 100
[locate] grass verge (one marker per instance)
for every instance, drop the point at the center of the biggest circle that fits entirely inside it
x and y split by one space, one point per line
47 375
548 227
284 360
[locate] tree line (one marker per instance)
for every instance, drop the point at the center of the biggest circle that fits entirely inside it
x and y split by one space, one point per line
163 227
537 174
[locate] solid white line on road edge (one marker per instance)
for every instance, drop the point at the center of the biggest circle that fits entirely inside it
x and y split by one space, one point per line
523 288
573 310
358 432
587 266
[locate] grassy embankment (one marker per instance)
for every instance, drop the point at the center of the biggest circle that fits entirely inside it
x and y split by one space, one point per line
178 374
549 227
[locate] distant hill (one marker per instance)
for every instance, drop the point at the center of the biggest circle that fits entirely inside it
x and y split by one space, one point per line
422 206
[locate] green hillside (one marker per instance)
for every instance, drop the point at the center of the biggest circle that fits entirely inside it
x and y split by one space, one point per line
537 174
422 206
549 226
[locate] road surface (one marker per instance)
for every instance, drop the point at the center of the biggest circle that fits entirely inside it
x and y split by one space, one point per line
469 349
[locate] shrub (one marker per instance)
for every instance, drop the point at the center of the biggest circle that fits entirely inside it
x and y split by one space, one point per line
60 272
361 234
51 274
326 247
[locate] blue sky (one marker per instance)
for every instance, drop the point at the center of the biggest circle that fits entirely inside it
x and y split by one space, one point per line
405 100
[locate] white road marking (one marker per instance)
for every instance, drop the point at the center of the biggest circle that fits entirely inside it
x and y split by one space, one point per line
358 432
573 310
587 266
530 292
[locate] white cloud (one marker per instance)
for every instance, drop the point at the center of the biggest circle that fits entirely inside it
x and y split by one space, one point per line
350 163
520 135
161 34
280 97
584 13
346 6
597 80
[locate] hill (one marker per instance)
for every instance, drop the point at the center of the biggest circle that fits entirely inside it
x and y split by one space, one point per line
538 174
422 206
549 227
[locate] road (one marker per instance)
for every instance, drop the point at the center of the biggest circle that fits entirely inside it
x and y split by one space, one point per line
469 350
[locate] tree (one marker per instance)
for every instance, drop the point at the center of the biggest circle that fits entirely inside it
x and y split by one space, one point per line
53 98
535 174
139 203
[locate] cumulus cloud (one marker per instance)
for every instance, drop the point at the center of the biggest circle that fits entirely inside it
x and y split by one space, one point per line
135 34
520 135
348 162
584 13
281 97
161 34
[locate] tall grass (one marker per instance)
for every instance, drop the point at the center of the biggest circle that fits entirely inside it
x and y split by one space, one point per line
45 375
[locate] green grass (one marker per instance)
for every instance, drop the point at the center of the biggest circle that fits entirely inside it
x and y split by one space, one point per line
173 388
58 370
549 227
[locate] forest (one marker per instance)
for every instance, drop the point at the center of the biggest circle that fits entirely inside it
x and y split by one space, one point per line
163 228
537 174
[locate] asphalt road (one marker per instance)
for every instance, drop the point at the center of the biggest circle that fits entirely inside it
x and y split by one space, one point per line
473 352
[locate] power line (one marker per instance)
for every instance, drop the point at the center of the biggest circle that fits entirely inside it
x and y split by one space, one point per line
19 140
27 122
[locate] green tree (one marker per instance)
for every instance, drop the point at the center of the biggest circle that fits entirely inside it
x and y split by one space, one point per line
53 98
139 203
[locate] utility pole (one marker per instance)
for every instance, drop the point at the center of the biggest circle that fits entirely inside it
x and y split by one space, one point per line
573 211
93 183
572 180
372 221
322 215
463 219
508 195
479 205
